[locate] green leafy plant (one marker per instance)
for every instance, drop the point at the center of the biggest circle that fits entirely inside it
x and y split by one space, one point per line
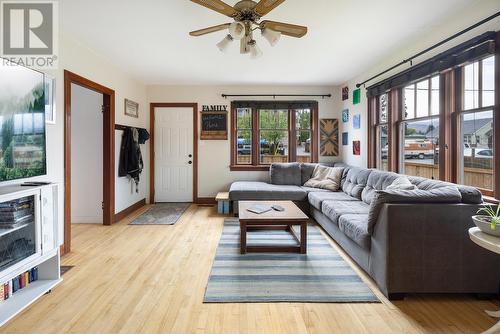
494 216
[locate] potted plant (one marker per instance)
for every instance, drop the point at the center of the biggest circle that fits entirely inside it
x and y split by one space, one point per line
489 222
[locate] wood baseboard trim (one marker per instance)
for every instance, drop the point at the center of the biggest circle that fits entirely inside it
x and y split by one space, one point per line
61 250
134 207
206 201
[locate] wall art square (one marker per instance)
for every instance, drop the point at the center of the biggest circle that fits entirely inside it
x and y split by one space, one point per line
345 93
345 138
329 138
356 96
345 115
356 147
131 108
356 121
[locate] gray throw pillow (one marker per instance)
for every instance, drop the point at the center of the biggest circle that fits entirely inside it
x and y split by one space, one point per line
286 174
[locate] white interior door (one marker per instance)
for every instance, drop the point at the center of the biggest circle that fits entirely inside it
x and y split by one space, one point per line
173 154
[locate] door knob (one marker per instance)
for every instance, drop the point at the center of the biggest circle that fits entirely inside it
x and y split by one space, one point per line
190 155
190 162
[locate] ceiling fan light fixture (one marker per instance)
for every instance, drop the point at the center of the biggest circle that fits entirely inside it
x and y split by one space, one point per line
271 36
244 44
237 30
255 51
224 44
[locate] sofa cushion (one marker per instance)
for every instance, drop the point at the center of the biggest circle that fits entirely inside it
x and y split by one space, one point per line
326 178
314 190
470 195
285 174
447 194
355 181
356 228
377 180
317 198
250 190
334 209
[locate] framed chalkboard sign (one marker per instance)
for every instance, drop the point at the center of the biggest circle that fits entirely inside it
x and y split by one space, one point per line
214 126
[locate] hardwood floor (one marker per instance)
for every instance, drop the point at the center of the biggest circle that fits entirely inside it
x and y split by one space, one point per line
151 279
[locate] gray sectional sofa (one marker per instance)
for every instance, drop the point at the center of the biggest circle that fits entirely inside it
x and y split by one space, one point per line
408 241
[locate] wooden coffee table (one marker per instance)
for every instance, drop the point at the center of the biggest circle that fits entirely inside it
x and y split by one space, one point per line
273 220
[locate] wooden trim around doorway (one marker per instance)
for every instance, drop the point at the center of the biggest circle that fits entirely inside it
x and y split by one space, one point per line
194 106
108 151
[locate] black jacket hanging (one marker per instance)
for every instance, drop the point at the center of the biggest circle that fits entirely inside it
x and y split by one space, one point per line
131 163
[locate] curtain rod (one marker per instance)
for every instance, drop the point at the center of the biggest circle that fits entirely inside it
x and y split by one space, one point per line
276 95
410 60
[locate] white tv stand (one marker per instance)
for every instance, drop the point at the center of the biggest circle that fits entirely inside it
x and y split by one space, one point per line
46 256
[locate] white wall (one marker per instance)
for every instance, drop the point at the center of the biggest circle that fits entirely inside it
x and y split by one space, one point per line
469 16
86 155
83 61
214 156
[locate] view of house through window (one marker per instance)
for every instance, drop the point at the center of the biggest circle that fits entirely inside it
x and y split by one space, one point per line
420 129
476 165
282 135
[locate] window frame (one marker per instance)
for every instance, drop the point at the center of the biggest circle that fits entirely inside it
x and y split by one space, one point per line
255 107
378 125
461 110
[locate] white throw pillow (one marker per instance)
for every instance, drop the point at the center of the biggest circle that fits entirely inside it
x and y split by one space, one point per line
326 178
401 183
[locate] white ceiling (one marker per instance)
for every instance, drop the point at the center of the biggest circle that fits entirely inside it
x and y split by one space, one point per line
149 38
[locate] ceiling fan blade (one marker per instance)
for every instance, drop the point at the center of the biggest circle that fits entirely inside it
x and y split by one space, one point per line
291 30
209 30
218 6
265 6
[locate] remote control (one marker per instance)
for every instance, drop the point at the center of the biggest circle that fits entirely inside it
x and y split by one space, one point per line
278 207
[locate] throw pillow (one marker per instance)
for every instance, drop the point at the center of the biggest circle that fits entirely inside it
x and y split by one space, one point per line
328 178
401 183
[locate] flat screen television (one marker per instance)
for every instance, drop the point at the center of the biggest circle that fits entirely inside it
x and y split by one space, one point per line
22 122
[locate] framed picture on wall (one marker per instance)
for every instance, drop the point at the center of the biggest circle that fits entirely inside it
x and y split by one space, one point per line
345 138
345 115
131 108
356 147
345 93
356 121
50 105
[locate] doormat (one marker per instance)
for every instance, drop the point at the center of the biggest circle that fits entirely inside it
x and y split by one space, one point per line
162 214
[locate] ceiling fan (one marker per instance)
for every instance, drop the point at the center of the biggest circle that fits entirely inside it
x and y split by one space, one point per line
247 16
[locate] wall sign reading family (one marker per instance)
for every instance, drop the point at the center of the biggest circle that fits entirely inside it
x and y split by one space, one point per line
214 126
218 107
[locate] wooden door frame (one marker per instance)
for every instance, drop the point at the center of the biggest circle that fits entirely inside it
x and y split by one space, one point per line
108 151
153 106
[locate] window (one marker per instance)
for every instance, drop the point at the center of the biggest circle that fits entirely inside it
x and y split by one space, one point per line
273 132
420 129
441 126
382 153
244 136
303 119
476 164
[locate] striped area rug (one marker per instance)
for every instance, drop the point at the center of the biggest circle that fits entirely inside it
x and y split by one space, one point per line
321 275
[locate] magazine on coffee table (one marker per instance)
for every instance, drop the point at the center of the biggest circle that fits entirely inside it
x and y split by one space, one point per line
260 208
